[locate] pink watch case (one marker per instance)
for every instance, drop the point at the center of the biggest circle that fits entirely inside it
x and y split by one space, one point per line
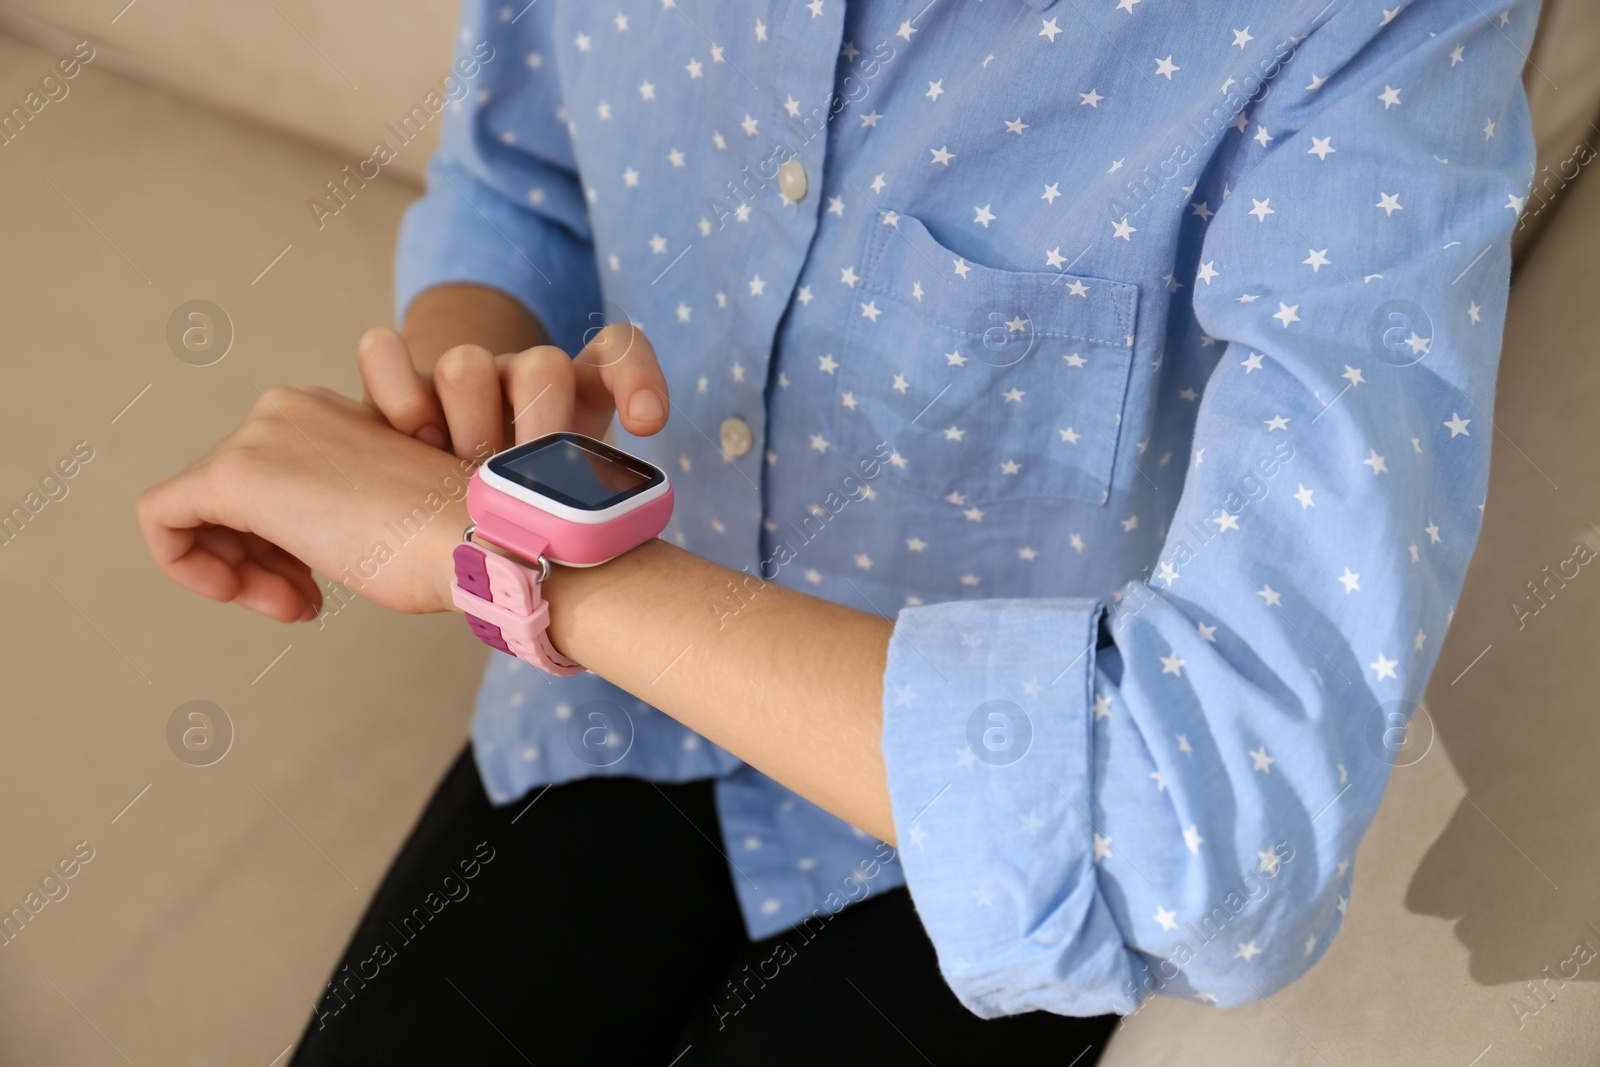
531 532
501 597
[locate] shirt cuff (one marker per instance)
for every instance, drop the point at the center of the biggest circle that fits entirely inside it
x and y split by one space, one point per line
464 231
988 707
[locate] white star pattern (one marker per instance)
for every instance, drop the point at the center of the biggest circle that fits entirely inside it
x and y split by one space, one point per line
1016 349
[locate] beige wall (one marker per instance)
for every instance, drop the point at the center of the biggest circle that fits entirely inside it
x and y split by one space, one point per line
330 72
208 919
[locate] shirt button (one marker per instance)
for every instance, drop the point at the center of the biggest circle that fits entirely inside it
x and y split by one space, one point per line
792 180
736 437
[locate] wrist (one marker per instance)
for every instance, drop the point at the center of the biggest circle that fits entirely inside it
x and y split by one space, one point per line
569 588
442 573
562 496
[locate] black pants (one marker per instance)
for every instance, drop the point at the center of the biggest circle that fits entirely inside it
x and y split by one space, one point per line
599 926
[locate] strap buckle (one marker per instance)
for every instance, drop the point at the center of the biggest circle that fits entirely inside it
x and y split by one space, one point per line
543 561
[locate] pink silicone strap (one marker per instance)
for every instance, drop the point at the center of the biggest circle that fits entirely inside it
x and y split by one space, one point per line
504 608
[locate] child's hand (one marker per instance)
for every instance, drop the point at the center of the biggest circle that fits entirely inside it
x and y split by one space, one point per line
475 398
311 479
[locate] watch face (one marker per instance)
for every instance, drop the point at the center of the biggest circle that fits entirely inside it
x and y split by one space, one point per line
577 471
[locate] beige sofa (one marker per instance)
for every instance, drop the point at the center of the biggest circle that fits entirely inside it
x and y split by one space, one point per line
178 167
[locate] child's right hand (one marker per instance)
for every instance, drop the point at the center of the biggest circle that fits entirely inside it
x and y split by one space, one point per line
474 397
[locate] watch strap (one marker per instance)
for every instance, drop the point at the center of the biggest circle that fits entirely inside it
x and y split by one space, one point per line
505 608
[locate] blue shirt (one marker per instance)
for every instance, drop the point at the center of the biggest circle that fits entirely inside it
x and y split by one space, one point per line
1137 358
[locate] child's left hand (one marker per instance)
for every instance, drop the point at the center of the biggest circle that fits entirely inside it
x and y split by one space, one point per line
310 480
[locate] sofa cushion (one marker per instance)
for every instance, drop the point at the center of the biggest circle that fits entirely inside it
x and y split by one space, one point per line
1562 80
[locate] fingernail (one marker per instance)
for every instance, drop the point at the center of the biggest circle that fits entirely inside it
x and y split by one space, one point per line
430 435
645 406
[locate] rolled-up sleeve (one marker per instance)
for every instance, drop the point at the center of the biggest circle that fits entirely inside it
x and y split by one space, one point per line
989 741
504 206
1096 803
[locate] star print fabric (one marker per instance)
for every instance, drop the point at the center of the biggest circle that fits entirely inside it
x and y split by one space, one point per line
1136 357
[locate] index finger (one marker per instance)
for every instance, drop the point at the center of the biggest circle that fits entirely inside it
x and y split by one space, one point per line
619 367
394 387
170 519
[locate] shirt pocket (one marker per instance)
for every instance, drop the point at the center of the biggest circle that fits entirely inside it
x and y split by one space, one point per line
989 384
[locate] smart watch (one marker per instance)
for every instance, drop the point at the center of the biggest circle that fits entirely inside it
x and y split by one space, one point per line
562 498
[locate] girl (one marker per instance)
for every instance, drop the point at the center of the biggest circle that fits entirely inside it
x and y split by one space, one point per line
1078 419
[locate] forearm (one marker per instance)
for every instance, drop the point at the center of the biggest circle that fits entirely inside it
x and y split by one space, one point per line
448 315
789 683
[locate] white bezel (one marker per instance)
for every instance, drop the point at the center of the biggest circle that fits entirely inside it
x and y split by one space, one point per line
566 511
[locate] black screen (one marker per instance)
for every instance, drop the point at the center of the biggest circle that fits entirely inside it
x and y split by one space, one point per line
576 471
